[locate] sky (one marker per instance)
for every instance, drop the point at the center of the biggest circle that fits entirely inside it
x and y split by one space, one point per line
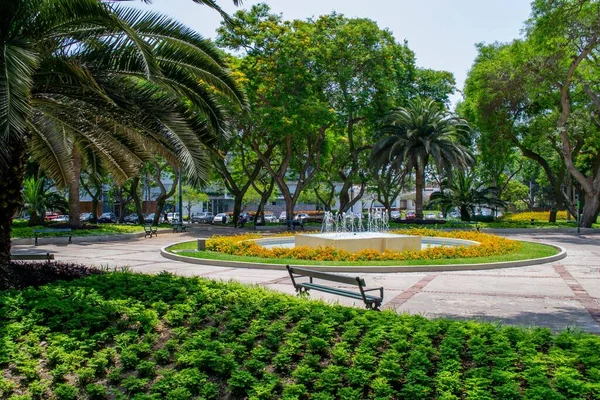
442 33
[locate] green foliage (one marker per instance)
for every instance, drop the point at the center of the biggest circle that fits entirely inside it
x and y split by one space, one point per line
252 343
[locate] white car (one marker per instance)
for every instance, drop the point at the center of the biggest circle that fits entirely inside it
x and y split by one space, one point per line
61 218
301 217
173 216
395 215
282 217
270 217
221 218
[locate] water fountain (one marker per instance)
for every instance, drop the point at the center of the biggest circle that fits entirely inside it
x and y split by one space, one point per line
346 231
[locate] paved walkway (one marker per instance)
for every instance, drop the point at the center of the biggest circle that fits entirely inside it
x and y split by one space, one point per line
560 295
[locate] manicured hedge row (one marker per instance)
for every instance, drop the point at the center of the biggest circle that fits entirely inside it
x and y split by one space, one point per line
122 335
488 245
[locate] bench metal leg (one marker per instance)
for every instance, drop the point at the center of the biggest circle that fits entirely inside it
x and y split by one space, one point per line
36 242
70 241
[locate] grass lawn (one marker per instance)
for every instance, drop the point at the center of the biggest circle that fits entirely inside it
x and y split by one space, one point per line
128 336
528 251
21 230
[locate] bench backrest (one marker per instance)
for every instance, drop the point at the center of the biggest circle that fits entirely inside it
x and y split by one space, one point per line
52 230
328 277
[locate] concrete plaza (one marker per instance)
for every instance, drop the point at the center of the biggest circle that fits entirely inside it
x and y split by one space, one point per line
557 295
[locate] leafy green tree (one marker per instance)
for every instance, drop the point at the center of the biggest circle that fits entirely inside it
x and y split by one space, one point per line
436 85
565 35
421 132
516 192
466 193
509 110
287 124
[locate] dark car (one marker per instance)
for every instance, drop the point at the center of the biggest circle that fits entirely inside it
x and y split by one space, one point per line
108 217
131 219
203 218
85 217
411 215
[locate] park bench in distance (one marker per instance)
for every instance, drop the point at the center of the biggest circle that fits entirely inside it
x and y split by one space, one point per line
149 230
371 302
63 232
178 227
32 257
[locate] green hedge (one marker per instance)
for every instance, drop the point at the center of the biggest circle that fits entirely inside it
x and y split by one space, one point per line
122 335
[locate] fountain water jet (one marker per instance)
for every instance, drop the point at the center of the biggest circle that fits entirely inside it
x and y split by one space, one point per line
346 231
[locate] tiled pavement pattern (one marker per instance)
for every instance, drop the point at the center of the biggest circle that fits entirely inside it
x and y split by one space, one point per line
559 295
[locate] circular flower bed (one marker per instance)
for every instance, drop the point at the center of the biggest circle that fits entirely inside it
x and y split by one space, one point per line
489 245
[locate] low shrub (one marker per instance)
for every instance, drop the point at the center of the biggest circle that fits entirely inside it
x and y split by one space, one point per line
489 245
19 275
83 332
539 216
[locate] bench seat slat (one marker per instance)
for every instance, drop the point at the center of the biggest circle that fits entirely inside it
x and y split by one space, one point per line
349 280
342 292
32 257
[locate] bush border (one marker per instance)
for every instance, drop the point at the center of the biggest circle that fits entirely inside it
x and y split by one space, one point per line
371 269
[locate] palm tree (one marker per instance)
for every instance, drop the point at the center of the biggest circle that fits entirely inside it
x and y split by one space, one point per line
38 197
85 75
422 131
466 193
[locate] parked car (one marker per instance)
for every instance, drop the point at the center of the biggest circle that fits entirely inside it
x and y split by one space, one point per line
150 219
282 217
108 217
411 215
132 219
85 217
50 216
395 215
173 216
454 214
301 217
203 217
221 218
61 218
430 216
270 217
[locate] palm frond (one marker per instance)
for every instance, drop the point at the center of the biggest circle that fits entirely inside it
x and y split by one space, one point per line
17 65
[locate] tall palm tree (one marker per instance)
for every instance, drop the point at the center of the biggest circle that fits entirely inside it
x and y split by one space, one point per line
83 74
422 131
466 193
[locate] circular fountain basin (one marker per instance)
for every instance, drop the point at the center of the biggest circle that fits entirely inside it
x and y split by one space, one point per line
358 241
425 241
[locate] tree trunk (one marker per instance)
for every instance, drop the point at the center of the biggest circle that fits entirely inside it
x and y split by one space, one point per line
591 208
553 212
136 199
11 200
164 195
290 204
464 214
35 220
237 207
74 189
419 176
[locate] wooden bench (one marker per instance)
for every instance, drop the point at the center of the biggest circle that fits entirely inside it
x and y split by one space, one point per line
178 227
149 230
65 232
32 257
371 302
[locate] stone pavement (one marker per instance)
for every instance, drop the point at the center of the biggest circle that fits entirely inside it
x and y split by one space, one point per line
559 295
